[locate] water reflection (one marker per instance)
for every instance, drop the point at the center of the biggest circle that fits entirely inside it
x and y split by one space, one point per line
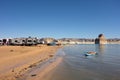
100 48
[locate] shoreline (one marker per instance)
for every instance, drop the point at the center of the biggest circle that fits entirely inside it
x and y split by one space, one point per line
41 71
16 61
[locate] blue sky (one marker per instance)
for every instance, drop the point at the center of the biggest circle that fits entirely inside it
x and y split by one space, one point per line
59 18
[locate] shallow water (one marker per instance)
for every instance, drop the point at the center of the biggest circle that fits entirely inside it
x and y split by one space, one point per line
75 66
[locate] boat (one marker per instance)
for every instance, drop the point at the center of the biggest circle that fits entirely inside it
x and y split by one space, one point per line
90 53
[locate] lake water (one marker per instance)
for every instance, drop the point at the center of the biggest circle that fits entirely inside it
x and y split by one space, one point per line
75 66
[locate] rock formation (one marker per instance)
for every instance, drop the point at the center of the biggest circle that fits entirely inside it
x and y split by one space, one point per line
101 39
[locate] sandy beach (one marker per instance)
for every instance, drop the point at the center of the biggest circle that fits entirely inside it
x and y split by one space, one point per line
20 62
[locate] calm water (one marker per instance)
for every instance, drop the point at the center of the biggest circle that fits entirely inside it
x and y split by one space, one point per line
75 66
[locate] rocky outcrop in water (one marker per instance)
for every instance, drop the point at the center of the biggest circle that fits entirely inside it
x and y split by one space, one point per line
101 39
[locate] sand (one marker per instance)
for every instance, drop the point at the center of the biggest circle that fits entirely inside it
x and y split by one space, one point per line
24 62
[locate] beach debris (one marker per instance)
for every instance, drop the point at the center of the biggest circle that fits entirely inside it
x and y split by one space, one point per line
34 75
11 50
51 55
12 70
33 65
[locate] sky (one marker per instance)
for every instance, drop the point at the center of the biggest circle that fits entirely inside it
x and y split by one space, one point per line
59 18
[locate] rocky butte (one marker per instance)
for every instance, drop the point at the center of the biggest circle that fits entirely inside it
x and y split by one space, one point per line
101 39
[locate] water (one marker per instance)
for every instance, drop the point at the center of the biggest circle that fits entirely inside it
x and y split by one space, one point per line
75 66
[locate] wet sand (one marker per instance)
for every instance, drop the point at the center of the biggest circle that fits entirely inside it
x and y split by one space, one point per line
24 63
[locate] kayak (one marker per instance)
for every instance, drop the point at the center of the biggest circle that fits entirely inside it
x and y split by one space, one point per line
90 53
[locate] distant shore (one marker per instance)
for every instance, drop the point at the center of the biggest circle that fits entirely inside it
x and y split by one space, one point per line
16 61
